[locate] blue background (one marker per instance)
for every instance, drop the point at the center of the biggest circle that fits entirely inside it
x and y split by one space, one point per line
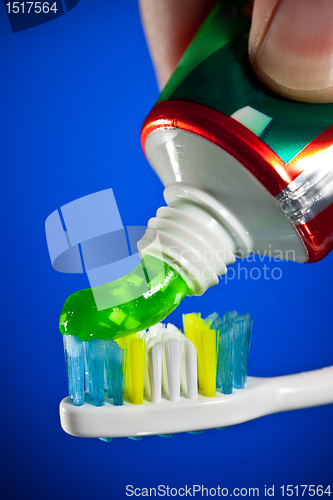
74 93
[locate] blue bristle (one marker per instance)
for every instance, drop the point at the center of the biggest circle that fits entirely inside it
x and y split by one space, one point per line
109 349
107 440
212 317
229 317
224 374
217 323
96 358
249 333
233 350
115 368
241 349
73 348
247 338
106 383
238 353
87 382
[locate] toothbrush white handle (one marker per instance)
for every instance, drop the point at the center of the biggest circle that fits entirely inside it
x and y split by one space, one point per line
301 390
261 396
291 392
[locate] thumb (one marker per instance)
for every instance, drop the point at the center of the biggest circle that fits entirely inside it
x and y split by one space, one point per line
291 47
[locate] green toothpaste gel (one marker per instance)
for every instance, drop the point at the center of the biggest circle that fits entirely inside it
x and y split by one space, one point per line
127 305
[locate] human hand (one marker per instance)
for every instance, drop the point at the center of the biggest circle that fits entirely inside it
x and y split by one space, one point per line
290 44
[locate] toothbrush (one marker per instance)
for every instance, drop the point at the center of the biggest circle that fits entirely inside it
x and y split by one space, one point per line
262 396
168 367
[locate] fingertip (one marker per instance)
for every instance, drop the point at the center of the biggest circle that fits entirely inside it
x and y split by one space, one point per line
291 48
169 26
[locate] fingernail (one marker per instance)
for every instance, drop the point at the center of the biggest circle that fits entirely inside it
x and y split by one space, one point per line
297 50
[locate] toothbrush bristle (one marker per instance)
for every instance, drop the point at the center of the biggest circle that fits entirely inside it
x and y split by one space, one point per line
137 368
198 331
96 361
211 355
191 370
207 361
155 371
233 350
174 356
212 317
115 368
224 376
73 348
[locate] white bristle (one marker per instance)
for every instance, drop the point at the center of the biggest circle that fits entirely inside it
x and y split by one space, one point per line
146 378
174 348
173 330
155 371
156 329
191 369
165 383
183 382
170 363
167 335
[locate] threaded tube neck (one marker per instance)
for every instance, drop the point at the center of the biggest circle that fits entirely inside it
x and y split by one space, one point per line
196 235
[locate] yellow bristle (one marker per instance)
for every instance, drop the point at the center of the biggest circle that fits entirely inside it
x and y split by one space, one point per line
207 361
128 374
193 324
125 343
190 322
137 370
200 328
121 342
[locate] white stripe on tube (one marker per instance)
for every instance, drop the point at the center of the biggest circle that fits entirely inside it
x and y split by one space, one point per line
191 370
